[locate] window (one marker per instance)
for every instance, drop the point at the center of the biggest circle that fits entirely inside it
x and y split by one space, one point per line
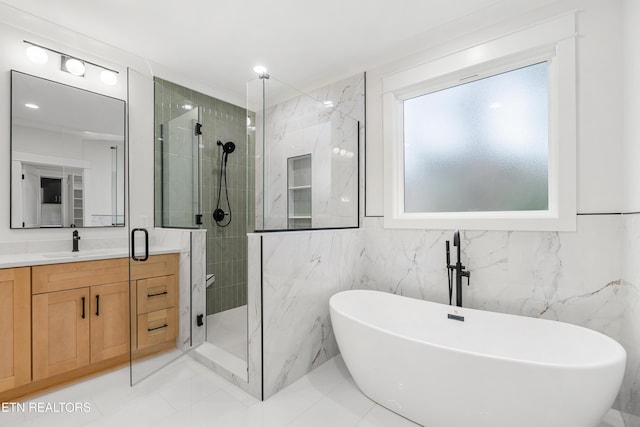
485 138
480 146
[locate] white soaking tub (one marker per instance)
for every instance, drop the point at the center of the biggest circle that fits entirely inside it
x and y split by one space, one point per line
488 370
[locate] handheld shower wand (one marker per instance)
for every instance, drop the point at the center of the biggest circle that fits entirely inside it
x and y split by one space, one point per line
219 213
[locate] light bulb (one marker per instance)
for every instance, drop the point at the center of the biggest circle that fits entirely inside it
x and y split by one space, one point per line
75 66
108 77
37 55
260 69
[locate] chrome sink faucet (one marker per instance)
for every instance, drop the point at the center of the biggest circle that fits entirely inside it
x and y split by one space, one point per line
456 269
76 238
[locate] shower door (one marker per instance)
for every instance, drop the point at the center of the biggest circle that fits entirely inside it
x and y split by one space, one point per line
159 261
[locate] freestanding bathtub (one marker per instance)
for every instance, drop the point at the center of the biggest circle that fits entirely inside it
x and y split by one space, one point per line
488 370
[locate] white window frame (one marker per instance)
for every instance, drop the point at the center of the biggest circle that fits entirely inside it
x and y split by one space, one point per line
553 41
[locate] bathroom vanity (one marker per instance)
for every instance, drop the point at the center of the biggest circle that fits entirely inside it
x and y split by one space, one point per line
67 319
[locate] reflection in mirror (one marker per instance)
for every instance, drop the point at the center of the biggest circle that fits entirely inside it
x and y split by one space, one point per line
67 156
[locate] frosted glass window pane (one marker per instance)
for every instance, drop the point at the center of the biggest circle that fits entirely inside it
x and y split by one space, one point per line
478 147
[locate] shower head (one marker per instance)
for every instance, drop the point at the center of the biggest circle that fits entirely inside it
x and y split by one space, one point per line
227 147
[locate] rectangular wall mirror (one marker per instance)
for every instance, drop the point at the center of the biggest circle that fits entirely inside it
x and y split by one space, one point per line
67 156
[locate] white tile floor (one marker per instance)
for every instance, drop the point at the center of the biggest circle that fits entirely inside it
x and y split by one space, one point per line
228 331
187 394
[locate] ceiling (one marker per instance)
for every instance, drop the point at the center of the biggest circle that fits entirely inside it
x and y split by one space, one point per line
300 42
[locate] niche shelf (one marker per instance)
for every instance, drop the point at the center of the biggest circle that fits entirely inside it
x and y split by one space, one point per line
299 192
76 199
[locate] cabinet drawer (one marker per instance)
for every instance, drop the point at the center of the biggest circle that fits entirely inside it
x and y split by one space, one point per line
73 275
155 266
156 294
156 327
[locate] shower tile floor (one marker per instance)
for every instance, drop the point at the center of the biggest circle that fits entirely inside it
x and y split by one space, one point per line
228 331
186 393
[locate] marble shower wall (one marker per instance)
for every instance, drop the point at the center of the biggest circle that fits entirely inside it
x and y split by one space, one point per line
301 271
325 124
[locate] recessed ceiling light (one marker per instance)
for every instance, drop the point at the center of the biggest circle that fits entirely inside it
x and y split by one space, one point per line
37 55
187 107
32 106
108 77
260 69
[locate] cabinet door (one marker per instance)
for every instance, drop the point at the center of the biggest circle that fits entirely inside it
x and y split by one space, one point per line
15 327
60 332
109 321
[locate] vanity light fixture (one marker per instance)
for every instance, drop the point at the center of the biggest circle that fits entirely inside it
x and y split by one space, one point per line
108 77
37 55
73 65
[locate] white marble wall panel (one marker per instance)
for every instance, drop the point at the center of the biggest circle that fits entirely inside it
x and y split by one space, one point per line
301 270
184 292
198 284
630 336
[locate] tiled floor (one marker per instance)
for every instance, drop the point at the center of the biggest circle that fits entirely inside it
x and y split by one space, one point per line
187 394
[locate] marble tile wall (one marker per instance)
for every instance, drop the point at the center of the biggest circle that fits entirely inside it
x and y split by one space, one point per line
301 270
325 124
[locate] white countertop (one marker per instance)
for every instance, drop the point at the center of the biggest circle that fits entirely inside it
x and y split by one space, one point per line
29 259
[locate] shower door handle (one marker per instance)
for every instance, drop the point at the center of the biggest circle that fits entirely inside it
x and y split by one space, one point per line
133 244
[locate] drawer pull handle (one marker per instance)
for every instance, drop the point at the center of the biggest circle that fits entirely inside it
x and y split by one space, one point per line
157 295
159 327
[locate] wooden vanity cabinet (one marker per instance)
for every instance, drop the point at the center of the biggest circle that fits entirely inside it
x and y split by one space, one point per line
60 322
79 317
15 327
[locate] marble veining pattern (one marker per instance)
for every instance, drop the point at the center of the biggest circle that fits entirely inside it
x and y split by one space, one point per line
198 293
300 273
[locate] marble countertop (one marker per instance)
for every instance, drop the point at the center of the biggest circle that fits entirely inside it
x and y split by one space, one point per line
29 259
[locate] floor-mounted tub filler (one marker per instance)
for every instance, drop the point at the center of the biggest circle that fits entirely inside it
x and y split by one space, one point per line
444 366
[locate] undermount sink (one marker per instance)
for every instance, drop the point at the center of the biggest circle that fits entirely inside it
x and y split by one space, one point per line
86 253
